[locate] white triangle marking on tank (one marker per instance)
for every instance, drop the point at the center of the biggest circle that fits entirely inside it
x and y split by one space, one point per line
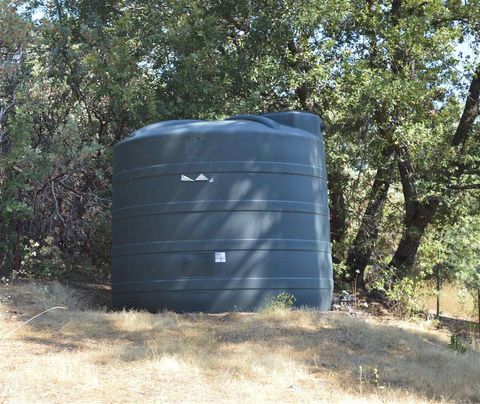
201 177
185 178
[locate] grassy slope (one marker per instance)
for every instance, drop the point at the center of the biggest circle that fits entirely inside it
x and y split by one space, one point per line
450 303
290 356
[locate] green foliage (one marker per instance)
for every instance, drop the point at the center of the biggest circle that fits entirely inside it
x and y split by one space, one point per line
283 301
405 294
454 247
43 261
368 376
457 345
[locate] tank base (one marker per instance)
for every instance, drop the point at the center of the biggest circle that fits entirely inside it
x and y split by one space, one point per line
219 301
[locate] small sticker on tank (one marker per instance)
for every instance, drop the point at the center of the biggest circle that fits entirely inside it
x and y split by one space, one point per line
220 257
185 178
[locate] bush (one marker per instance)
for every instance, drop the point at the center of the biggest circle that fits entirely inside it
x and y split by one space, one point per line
405 294
283 301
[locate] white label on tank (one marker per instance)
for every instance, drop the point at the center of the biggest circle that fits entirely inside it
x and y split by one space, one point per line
220 257
201 177
185 178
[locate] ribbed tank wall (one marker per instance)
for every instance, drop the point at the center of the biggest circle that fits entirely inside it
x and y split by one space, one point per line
223 215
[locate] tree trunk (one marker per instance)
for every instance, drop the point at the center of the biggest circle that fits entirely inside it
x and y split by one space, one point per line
418 217
338 215
363 246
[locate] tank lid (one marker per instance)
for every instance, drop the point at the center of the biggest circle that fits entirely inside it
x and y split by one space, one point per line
270 123
298 119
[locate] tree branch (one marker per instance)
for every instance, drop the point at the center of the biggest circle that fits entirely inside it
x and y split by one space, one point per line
465 187
406 174
470 112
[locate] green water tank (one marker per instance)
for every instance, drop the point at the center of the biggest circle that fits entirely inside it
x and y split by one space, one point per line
222 215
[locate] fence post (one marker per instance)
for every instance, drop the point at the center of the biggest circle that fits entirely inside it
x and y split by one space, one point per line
438 293
478 296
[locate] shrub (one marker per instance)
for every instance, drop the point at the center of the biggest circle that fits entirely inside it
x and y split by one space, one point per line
283 301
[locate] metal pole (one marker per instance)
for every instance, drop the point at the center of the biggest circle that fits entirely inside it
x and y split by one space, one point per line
478 296
478 303
438 293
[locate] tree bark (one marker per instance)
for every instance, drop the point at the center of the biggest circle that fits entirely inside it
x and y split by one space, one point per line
338 212
416 222
363 246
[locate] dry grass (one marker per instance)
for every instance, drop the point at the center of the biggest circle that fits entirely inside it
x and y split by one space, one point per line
85 355
451 305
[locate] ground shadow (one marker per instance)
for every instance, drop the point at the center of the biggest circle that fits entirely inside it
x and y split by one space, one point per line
318 342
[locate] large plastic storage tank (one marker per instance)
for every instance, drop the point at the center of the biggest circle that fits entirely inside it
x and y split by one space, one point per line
223 215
